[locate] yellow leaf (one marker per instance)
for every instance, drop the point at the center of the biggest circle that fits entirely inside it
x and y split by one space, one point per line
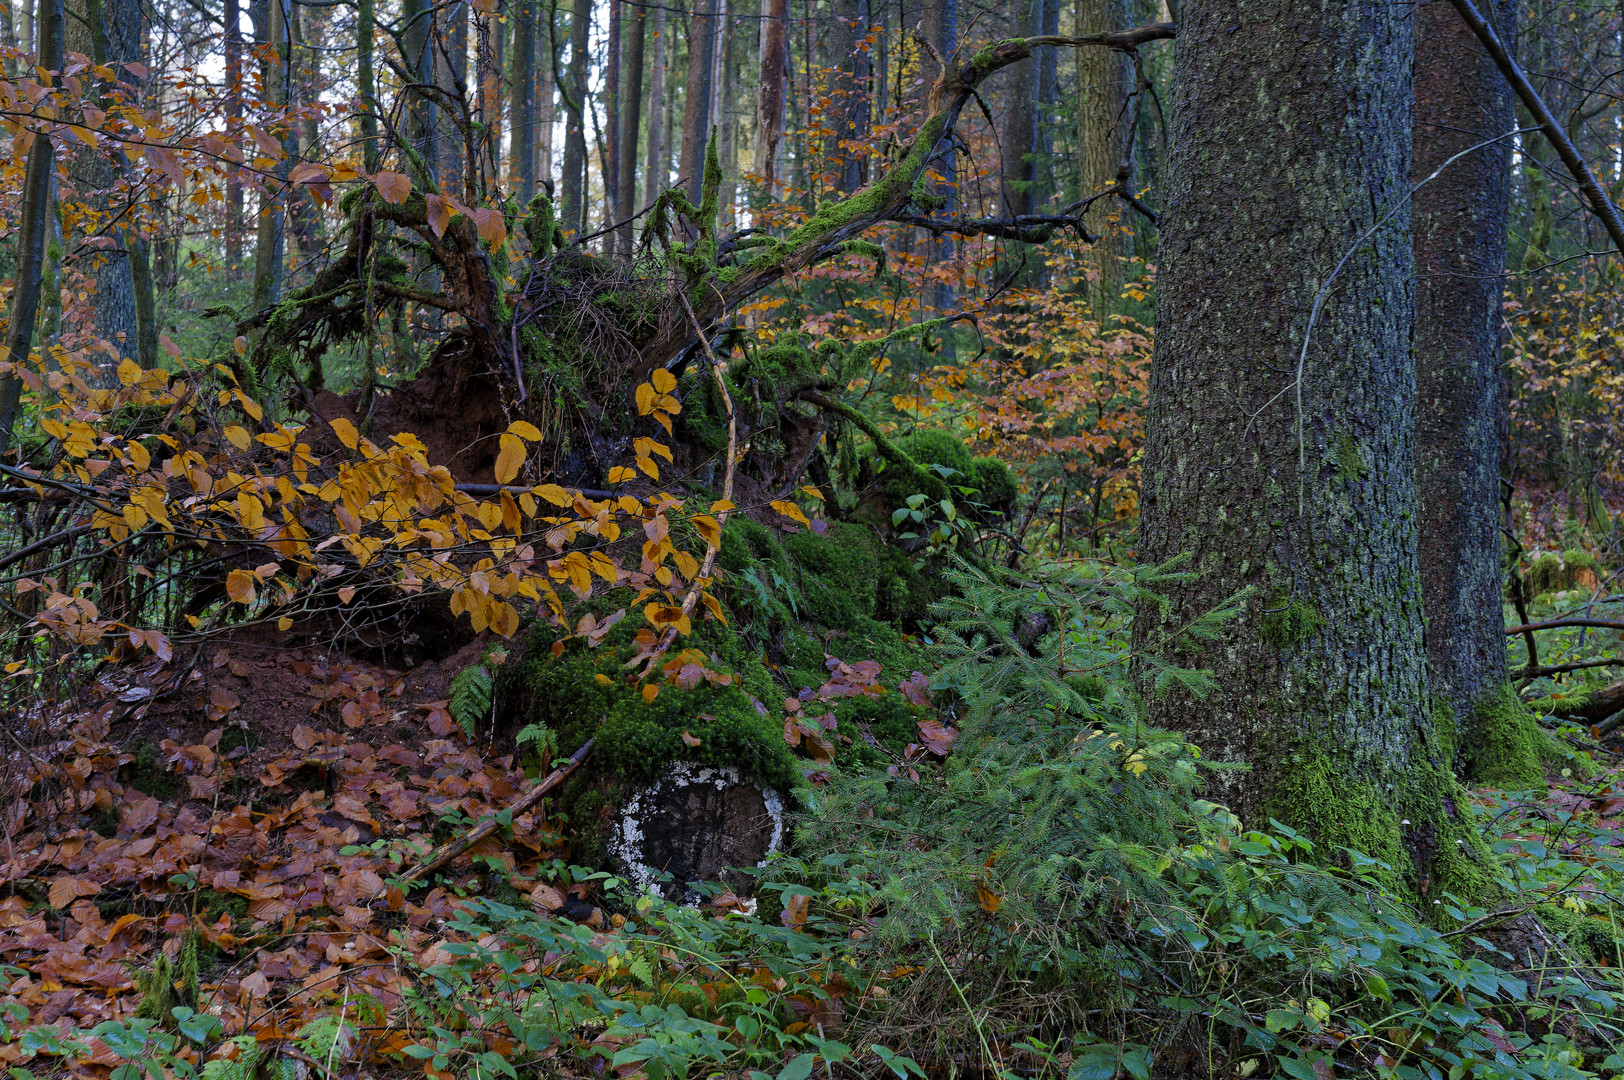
510 458
663 380
721 506
791 511
619 474
238 436
524 429
346 432
134 516
645 399
129 372
284 623
241 586
250 511
553 494
650 692
505 619
140 457
650 466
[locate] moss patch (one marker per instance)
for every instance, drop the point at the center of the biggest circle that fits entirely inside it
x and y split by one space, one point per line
1553 572
1420 827
1508 748
1288 622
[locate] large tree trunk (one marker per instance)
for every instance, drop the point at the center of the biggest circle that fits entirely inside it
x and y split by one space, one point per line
416 40
1460 253
772 89
697 96
1105 135
269 244
1305 499
108 32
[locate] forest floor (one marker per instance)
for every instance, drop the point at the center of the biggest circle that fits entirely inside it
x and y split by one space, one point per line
259 812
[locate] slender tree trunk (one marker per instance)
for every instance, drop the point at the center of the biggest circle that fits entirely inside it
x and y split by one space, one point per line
366 82
574 203
772 90
611 125
522 106
546 91
234 87
1020 134
1460 253
451 75
697 97
268 249
1105 135
8 36
417 38
941 28
31 233
1320 683
634 34
656 174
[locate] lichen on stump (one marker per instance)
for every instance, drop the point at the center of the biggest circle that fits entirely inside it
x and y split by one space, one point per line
696 823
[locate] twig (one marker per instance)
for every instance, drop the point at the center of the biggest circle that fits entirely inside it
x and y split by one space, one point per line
1578 665
1553 624
451 850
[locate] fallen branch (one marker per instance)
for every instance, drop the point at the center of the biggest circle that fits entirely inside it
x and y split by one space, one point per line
448 851
1554 624
1592 708
1577 665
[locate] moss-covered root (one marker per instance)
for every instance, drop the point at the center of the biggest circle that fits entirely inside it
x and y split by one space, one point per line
1504 746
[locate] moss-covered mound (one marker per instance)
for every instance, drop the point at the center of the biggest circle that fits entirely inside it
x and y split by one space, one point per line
1559 572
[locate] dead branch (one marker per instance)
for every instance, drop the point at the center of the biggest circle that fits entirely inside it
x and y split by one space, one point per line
1548 124
1553 624
448 851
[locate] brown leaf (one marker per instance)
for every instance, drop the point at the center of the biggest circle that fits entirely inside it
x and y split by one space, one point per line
66 889
393 186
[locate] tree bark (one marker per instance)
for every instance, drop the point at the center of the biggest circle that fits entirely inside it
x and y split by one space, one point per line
108 31
634 33
1285 163
611 123
696 97
574 201
30 251
1104 137
522 102
365 82
1460 253
546 92
772 88
269 244
1019 137
417 41
657 173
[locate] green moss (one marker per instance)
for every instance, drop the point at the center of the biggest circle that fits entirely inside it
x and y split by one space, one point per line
150 775
1596 938
1349 465
996 486
1287 622
1552 572
1423 831
1508 746
1443 724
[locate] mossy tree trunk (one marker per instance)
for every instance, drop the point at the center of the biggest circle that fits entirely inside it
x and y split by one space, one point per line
1290 153
1461 100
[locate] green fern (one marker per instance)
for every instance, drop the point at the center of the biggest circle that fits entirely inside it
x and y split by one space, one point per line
472 692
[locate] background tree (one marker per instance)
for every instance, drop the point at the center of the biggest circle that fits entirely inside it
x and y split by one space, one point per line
1462 100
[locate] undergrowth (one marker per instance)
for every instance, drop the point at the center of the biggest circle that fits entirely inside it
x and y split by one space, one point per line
1053 899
